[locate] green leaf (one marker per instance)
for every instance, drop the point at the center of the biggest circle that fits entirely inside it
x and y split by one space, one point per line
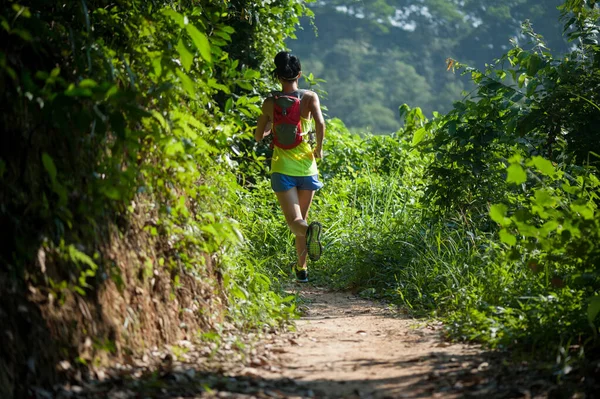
200 40
498 214
80 257
521 80
185 56
543 165
419 136
157 65
549 227
527 230
507 237
24 34
161 120
73 91
215 85
251 74
451 127
223 35
88 83
245 85
228 29
288 298
516 174
516 158
544 198
403 110
567 188
228 105
49 165
187 83
476 76
22 10
111 192
174 15
534 64
593 308
239 293
584 210
531 86
174 147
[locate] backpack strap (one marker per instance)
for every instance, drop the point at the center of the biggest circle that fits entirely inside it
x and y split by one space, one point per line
298 93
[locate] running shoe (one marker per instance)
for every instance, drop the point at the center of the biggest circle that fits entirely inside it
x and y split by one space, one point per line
313 241
301 274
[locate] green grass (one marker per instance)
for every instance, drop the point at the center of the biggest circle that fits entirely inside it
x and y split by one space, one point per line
380 240
377 241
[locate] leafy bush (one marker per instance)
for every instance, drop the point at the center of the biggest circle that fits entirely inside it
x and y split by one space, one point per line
407 216
122 126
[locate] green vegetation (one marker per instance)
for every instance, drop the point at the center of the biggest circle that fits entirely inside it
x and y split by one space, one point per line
377 55
122 123
131 184
486 216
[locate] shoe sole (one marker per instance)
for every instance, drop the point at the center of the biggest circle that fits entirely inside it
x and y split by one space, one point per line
310 238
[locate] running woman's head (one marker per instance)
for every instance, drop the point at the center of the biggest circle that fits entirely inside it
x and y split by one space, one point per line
287 67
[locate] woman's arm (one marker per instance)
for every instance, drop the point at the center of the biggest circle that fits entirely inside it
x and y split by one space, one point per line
315 110
263 126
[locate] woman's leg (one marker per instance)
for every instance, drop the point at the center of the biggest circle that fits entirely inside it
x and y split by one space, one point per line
305 198
295 204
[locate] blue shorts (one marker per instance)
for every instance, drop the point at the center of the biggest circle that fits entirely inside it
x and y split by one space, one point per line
281 182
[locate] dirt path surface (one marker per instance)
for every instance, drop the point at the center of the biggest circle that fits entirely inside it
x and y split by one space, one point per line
344 347
348 347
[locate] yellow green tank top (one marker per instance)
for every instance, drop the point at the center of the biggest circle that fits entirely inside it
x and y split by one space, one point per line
297 161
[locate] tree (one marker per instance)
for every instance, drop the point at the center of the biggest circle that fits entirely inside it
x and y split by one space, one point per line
422 35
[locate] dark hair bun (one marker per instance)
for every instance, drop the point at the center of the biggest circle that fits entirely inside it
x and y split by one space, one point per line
287 66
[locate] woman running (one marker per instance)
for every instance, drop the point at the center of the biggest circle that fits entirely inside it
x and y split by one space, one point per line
287 115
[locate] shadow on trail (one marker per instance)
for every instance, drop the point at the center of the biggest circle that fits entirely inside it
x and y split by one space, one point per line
458 376
476 376
187 383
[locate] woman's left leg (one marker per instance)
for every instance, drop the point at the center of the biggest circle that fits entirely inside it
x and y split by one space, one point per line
305 198
295 205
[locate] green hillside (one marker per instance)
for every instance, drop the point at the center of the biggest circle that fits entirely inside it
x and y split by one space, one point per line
377 55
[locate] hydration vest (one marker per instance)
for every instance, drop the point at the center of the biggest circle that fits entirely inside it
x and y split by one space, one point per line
287 129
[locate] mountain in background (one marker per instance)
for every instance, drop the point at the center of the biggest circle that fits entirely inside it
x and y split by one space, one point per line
378 54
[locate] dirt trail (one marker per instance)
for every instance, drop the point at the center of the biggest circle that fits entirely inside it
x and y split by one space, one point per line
349 347
344 347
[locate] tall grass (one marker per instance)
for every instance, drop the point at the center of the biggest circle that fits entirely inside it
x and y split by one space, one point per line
380 241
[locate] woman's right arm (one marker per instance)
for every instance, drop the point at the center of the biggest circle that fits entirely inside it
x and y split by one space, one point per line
263 126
